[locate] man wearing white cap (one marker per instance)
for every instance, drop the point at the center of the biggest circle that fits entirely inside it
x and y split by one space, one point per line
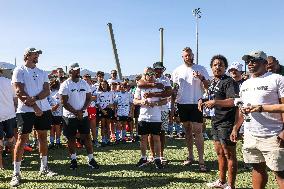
263 133
235 71
32 89
76 97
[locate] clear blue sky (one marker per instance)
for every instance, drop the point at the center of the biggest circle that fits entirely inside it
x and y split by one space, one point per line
76 31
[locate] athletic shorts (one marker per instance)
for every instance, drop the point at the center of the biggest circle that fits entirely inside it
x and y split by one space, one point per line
92 112
136 111
72 125
57 120
222 135
27 121
146 128
7 128
122 118
189 112
263 149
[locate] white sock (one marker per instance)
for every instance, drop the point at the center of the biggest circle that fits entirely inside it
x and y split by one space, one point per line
157 157
73 156
43 161
90 157
17 166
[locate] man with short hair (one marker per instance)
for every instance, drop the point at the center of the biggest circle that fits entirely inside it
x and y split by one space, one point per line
274 66
113 78
263 132
7 115
235 71
32 89
76 97
191 80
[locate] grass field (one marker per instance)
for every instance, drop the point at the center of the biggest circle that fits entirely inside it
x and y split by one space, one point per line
118 169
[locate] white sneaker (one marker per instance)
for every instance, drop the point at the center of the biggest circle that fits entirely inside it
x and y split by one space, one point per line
217 184
228 187
47 172
15 181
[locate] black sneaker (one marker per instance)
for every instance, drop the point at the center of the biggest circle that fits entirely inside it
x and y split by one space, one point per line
93 164
73 164
142 162
51 146
158 164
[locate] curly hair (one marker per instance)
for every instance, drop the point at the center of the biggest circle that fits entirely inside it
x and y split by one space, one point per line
219 57
101 88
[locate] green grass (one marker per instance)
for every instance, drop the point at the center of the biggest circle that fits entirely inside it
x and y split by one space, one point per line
118 169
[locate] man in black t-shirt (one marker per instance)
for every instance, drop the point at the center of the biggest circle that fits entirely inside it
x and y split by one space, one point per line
222 91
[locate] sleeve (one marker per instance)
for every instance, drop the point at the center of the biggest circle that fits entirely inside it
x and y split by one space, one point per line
46 80
231 89
63 90
205 73
137 93
18 76
280 86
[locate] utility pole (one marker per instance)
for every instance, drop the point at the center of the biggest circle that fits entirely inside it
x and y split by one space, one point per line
196 14
162 44
114 51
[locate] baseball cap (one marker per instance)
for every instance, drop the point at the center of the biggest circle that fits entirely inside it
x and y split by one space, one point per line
255 55
74 66
236 65
159 65
31 50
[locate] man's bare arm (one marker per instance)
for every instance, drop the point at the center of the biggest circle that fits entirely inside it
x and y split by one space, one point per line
66 105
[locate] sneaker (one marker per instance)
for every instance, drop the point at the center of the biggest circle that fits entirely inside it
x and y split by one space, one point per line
73 164
164 161
158 164
93 164
142 162
150 159
188 161
47 172
15 181
216 184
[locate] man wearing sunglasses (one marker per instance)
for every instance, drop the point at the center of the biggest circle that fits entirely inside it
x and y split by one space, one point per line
263 133
113 77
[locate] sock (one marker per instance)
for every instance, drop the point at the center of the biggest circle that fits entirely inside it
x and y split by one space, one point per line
17 166
43 161
58 141
51 139
117 134
73 156
90 157
123 134
144 157
157 157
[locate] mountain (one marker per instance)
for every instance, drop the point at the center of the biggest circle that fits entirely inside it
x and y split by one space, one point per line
7 66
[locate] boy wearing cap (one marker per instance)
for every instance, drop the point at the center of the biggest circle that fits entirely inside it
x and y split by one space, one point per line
76 97
263 133
32 89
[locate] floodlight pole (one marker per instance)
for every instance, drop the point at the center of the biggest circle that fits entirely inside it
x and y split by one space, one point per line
162 44
114 51
197 15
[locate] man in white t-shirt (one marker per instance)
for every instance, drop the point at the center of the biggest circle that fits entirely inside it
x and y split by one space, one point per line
263 132
32 89
7 115
191 80
113 78
76 97
149 119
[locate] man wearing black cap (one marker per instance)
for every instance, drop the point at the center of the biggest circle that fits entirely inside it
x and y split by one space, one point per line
263 132
76 97
32 89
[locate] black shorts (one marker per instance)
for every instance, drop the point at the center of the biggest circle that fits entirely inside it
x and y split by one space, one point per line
27 121
57 120
122 118
108 115
145 128
222 135
72 125
189 112
136 111
7 128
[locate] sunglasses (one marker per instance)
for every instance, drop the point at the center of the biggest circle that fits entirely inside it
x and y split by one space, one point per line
254 60
150 73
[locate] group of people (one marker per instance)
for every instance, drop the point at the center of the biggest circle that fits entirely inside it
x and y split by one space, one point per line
239 106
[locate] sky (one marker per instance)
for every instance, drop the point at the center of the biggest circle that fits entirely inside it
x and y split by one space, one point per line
69 31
